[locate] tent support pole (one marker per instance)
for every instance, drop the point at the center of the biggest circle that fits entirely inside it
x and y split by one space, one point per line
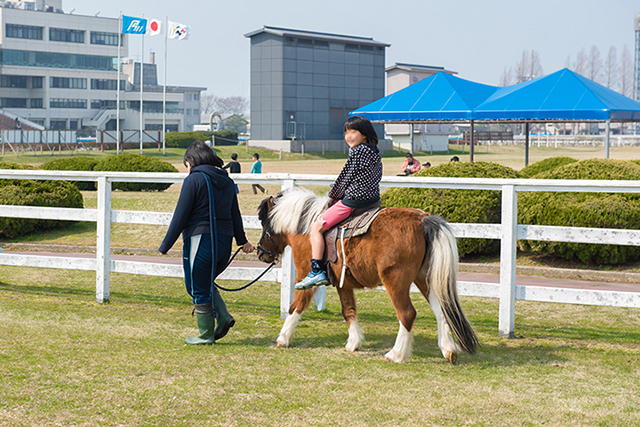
607 132
526 144
471 140
411 137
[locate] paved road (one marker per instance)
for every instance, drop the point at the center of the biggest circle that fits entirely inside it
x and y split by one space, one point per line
463 276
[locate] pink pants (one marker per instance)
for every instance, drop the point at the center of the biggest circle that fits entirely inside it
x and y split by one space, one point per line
334 215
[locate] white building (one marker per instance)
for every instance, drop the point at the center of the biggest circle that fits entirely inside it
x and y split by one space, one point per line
59 70
427 137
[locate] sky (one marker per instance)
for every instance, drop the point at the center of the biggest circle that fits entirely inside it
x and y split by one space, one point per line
477 39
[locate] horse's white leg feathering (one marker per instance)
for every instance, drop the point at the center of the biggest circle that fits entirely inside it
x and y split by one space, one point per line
355 336
445 341
288 329
401 351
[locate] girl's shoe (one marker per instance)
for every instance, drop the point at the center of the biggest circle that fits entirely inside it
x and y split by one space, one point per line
313 279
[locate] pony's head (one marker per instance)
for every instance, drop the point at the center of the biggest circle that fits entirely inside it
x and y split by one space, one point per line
289 212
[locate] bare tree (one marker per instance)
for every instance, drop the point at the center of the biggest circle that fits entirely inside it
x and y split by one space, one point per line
580 66
522 68
567 63
612 69
594 64
233 105
626 73
535 67
506 78
208 102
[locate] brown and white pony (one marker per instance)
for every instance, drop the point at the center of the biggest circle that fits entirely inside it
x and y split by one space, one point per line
401 247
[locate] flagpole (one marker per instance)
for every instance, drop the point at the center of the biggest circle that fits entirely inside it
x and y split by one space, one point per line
118 87
164 89
141 86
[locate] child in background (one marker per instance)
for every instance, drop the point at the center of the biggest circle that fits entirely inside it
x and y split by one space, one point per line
234 167
257 168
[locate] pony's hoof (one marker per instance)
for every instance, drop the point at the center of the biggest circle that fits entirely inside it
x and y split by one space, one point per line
393 357
352 348
280 344
452 357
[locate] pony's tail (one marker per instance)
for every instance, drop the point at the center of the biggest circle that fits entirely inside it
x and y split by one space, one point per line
442 271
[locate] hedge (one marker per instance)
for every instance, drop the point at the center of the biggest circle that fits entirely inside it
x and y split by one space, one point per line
465 206
130 162
185 139
594 210
35 193
544 166
8 165
74 164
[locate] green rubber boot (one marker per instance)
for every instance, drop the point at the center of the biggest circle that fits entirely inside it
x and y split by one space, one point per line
205 325
224 319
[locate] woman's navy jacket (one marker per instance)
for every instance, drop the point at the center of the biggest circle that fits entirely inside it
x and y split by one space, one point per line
191 216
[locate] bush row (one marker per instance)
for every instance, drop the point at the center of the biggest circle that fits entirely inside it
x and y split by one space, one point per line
184 139
545 208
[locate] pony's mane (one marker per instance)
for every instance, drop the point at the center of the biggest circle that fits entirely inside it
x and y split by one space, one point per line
295 210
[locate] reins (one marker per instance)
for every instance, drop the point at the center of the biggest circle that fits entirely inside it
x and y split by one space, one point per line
248 284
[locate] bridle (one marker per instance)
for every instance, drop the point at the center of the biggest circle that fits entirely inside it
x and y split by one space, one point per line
263 251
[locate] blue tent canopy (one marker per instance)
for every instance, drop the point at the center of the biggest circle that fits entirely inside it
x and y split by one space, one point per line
440 97
561 96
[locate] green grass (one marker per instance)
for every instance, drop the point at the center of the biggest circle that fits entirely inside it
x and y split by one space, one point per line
65 360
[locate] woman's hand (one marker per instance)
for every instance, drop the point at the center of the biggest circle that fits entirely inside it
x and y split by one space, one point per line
247 248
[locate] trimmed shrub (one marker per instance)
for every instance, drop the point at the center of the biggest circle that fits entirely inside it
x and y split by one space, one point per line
185 139
465 206
544 166
25 192
594 210
130 162
637 162
8 165
74 164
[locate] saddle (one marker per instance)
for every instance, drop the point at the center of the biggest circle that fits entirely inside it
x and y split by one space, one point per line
356 225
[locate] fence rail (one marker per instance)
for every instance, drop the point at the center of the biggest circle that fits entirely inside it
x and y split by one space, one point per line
508 231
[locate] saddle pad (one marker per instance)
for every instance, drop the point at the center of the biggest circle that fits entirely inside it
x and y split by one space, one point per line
355 225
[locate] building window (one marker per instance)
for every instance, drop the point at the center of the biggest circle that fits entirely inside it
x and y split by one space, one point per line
13 102
98 104
173 107
109 39
321 44
196 97
67 103
196 112
351 47
68 83
66 35
188 111
36 103
105 84
73 124
58 124
57 60
38 121
305 42
13 81
36 82
23 32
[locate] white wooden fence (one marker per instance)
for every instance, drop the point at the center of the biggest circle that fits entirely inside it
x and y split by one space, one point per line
508 232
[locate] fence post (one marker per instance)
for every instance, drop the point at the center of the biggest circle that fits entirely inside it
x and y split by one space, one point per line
508 238
288 270
103 243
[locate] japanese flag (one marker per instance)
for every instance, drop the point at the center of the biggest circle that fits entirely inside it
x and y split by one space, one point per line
154 27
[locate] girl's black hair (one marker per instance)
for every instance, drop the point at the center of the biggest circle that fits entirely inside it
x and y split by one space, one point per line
199 153
364 126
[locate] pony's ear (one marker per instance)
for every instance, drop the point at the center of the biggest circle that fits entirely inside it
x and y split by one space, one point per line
264 208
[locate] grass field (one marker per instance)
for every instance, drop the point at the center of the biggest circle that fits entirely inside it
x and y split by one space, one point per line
65 360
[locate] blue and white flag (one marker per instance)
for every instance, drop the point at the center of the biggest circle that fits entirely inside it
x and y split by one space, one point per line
178 31
131 25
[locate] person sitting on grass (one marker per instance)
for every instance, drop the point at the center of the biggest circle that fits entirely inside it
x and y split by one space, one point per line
410 165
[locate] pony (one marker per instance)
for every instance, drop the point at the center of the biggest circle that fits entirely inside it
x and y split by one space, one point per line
402 246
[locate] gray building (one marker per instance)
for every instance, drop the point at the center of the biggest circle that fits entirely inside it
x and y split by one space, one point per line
304 84
59 71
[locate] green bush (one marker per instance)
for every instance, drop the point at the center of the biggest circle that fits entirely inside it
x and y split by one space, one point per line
185 139
74 164
593 210
35 193
545 165
465 206
8 165
135 163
